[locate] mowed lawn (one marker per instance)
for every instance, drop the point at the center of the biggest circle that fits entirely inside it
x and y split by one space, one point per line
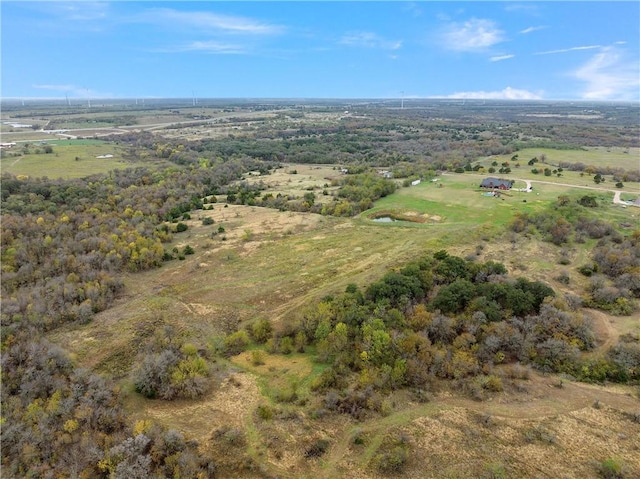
457 199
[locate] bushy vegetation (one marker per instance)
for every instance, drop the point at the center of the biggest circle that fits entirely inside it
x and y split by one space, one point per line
614 270
64 421
170 370
64 243
440 317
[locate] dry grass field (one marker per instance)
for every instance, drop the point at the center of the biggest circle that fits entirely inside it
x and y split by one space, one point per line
271 264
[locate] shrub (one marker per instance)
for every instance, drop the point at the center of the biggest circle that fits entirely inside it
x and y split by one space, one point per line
231 435
180 227
188 379
611 469
261 330
257 357
168 376
264 412
286 345
539 433
563 277
189 349
358 437
236 342
152 377
317 448
492 383
207 221
393 454
589 201
588 269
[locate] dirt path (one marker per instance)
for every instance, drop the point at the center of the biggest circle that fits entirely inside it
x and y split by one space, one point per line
545 398
605 330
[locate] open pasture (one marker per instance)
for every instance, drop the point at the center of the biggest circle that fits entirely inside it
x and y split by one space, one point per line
265 263
457 199
614 157
297 179
68 159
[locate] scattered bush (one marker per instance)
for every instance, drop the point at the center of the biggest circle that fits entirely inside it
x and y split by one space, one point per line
172 374
236 342
393 454
611 469
265 412
261 330
257 357
317 448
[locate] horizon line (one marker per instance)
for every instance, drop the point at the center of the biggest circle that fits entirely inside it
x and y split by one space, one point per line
462 98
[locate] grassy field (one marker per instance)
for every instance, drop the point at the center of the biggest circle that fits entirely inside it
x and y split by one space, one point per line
272 264
626 158
69 159
456 199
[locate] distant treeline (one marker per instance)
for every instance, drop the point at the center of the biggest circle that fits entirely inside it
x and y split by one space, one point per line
386 141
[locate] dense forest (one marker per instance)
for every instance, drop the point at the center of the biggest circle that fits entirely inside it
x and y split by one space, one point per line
67 243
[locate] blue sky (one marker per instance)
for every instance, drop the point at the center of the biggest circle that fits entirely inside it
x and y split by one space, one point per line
502 50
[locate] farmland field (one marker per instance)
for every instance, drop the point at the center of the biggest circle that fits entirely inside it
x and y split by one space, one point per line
627 158
68 159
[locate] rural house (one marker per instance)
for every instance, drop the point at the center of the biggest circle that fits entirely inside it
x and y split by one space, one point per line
496 183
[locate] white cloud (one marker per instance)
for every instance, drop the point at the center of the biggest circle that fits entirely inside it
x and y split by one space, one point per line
528 8
532 29
210 22
413 9
499 58
76 11
369 40
610 75
472 35
208 46
507 94
572 49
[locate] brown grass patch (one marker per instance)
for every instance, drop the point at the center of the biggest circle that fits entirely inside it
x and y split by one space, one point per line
230 404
